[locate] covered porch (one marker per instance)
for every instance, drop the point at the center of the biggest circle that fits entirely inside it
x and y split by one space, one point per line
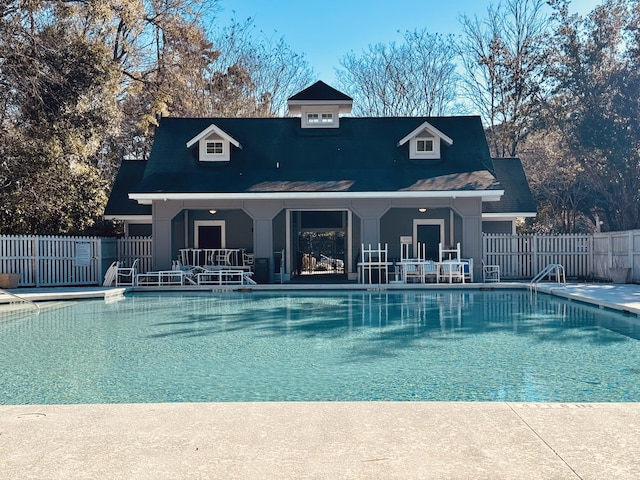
308 239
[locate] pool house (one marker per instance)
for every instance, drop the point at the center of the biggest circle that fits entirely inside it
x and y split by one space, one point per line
307 194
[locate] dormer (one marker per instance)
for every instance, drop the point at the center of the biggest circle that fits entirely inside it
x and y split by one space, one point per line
424 142
214 145
319 106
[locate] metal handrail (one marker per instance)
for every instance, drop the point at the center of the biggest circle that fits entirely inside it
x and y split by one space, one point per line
21 298
559 271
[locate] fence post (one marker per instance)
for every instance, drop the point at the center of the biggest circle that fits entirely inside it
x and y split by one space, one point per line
36 261
630 250
536 268
609 253
592 257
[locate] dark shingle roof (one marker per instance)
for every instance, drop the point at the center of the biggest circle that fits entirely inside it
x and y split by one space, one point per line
320 91
130 173
277 155
517 196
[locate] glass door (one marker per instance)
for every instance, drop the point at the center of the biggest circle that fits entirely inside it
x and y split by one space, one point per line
319 242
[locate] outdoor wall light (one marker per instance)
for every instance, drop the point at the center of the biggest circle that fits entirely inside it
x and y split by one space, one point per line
422 210
212 211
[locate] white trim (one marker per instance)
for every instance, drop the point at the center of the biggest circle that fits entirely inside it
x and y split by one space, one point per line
209 223
431 129
343 107
208 131
426 221
507 216
486 196
130 218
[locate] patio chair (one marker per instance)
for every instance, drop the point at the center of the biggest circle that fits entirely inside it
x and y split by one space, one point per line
247 259
430 270
126 276
448 253
490 273
467 267
374 267
451 271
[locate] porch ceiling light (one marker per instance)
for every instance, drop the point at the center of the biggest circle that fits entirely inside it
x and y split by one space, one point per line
422 210
212 211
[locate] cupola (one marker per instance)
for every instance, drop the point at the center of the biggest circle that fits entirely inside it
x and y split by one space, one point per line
319 106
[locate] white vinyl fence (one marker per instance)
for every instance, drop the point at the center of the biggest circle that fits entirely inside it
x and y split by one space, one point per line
44 261
66 261
51 261
582 256
130 248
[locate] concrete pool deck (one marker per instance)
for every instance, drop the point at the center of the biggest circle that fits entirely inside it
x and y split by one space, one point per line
372 440
367 440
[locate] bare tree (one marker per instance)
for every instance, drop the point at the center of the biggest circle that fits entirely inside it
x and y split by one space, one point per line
560 184
504 58
272 71
415 78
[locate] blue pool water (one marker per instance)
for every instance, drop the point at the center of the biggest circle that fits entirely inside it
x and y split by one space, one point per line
328 346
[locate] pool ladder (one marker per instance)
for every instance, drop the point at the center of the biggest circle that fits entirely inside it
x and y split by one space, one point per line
551 269
21 299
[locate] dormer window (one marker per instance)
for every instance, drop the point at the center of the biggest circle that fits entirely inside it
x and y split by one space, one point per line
320 117
323 118
319 106
214 145
424 142
214 148
425 145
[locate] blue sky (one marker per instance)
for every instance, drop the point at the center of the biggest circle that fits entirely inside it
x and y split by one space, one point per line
328 29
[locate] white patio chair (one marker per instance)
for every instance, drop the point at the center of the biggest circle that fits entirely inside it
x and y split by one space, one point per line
190 272
490 273
126 276
110 275
448 253
247 259
374 262
430 270
450 271
467 266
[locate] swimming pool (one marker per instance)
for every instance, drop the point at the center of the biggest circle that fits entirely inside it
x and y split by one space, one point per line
327 346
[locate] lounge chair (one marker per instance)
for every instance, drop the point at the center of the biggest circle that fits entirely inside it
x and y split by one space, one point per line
110 275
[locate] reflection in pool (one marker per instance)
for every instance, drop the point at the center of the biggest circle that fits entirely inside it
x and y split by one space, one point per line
438 345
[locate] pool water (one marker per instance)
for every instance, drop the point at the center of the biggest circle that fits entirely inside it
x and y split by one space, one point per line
327 346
